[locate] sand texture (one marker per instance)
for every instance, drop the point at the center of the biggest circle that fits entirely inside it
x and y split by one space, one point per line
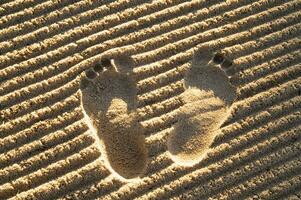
48 150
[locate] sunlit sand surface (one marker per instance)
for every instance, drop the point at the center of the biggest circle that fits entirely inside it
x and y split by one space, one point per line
48 151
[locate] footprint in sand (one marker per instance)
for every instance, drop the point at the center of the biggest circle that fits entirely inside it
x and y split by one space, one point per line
207 98
109 101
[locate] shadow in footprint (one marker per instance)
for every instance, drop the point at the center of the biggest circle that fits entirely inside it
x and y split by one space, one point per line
207 98
109 101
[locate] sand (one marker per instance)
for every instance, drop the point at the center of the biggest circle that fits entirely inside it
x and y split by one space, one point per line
47 150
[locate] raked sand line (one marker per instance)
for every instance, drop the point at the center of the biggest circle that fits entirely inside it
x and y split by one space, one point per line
94 38
40 87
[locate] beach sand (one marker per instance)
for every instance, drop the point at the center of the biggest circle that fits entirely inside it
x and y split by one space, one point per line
48 151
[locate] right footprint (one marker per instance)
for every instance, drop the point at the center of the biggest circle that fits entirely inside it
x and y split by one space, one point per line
207 98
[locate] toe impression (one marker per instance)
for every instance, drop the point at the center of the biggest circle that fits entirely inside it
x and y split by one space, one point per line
90 74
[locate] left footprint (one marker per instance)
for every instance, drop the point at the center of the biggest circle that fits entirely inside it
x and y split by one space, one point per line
109 101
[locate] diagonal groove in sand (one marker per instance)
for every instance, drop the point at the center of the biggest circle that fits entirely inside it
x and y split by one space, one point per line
247 172
221 155
285 170
157 111
18 124
86 172
52 30
19 136
60 41
266 83
245 91
243 156
257 58
211 177
40 101
291 29
11 22
40 129
278 93
98 13
151 80
228 41
283 96
294 195
14 6
257 135
157 68
21 17
162 79
280 190
150 111
165 72
6 2
28 166
57 17
177 34
241 107
84 193
99 187
181 45
25 166
38 75
232 39
267 59
255 120
262 70
290 47
251 123
31 65
38 146
50 172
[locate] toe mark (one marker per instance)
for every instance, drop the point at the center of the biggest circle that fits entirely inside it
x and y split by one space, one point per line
98 67
106 62
218 58
90 73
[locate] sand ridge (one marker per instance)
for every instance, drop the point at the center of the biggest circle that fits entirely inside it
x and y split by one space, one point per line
46 149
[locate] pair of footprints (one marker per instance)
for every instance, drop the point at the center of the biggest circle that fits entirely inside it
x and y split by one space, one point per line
109 101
